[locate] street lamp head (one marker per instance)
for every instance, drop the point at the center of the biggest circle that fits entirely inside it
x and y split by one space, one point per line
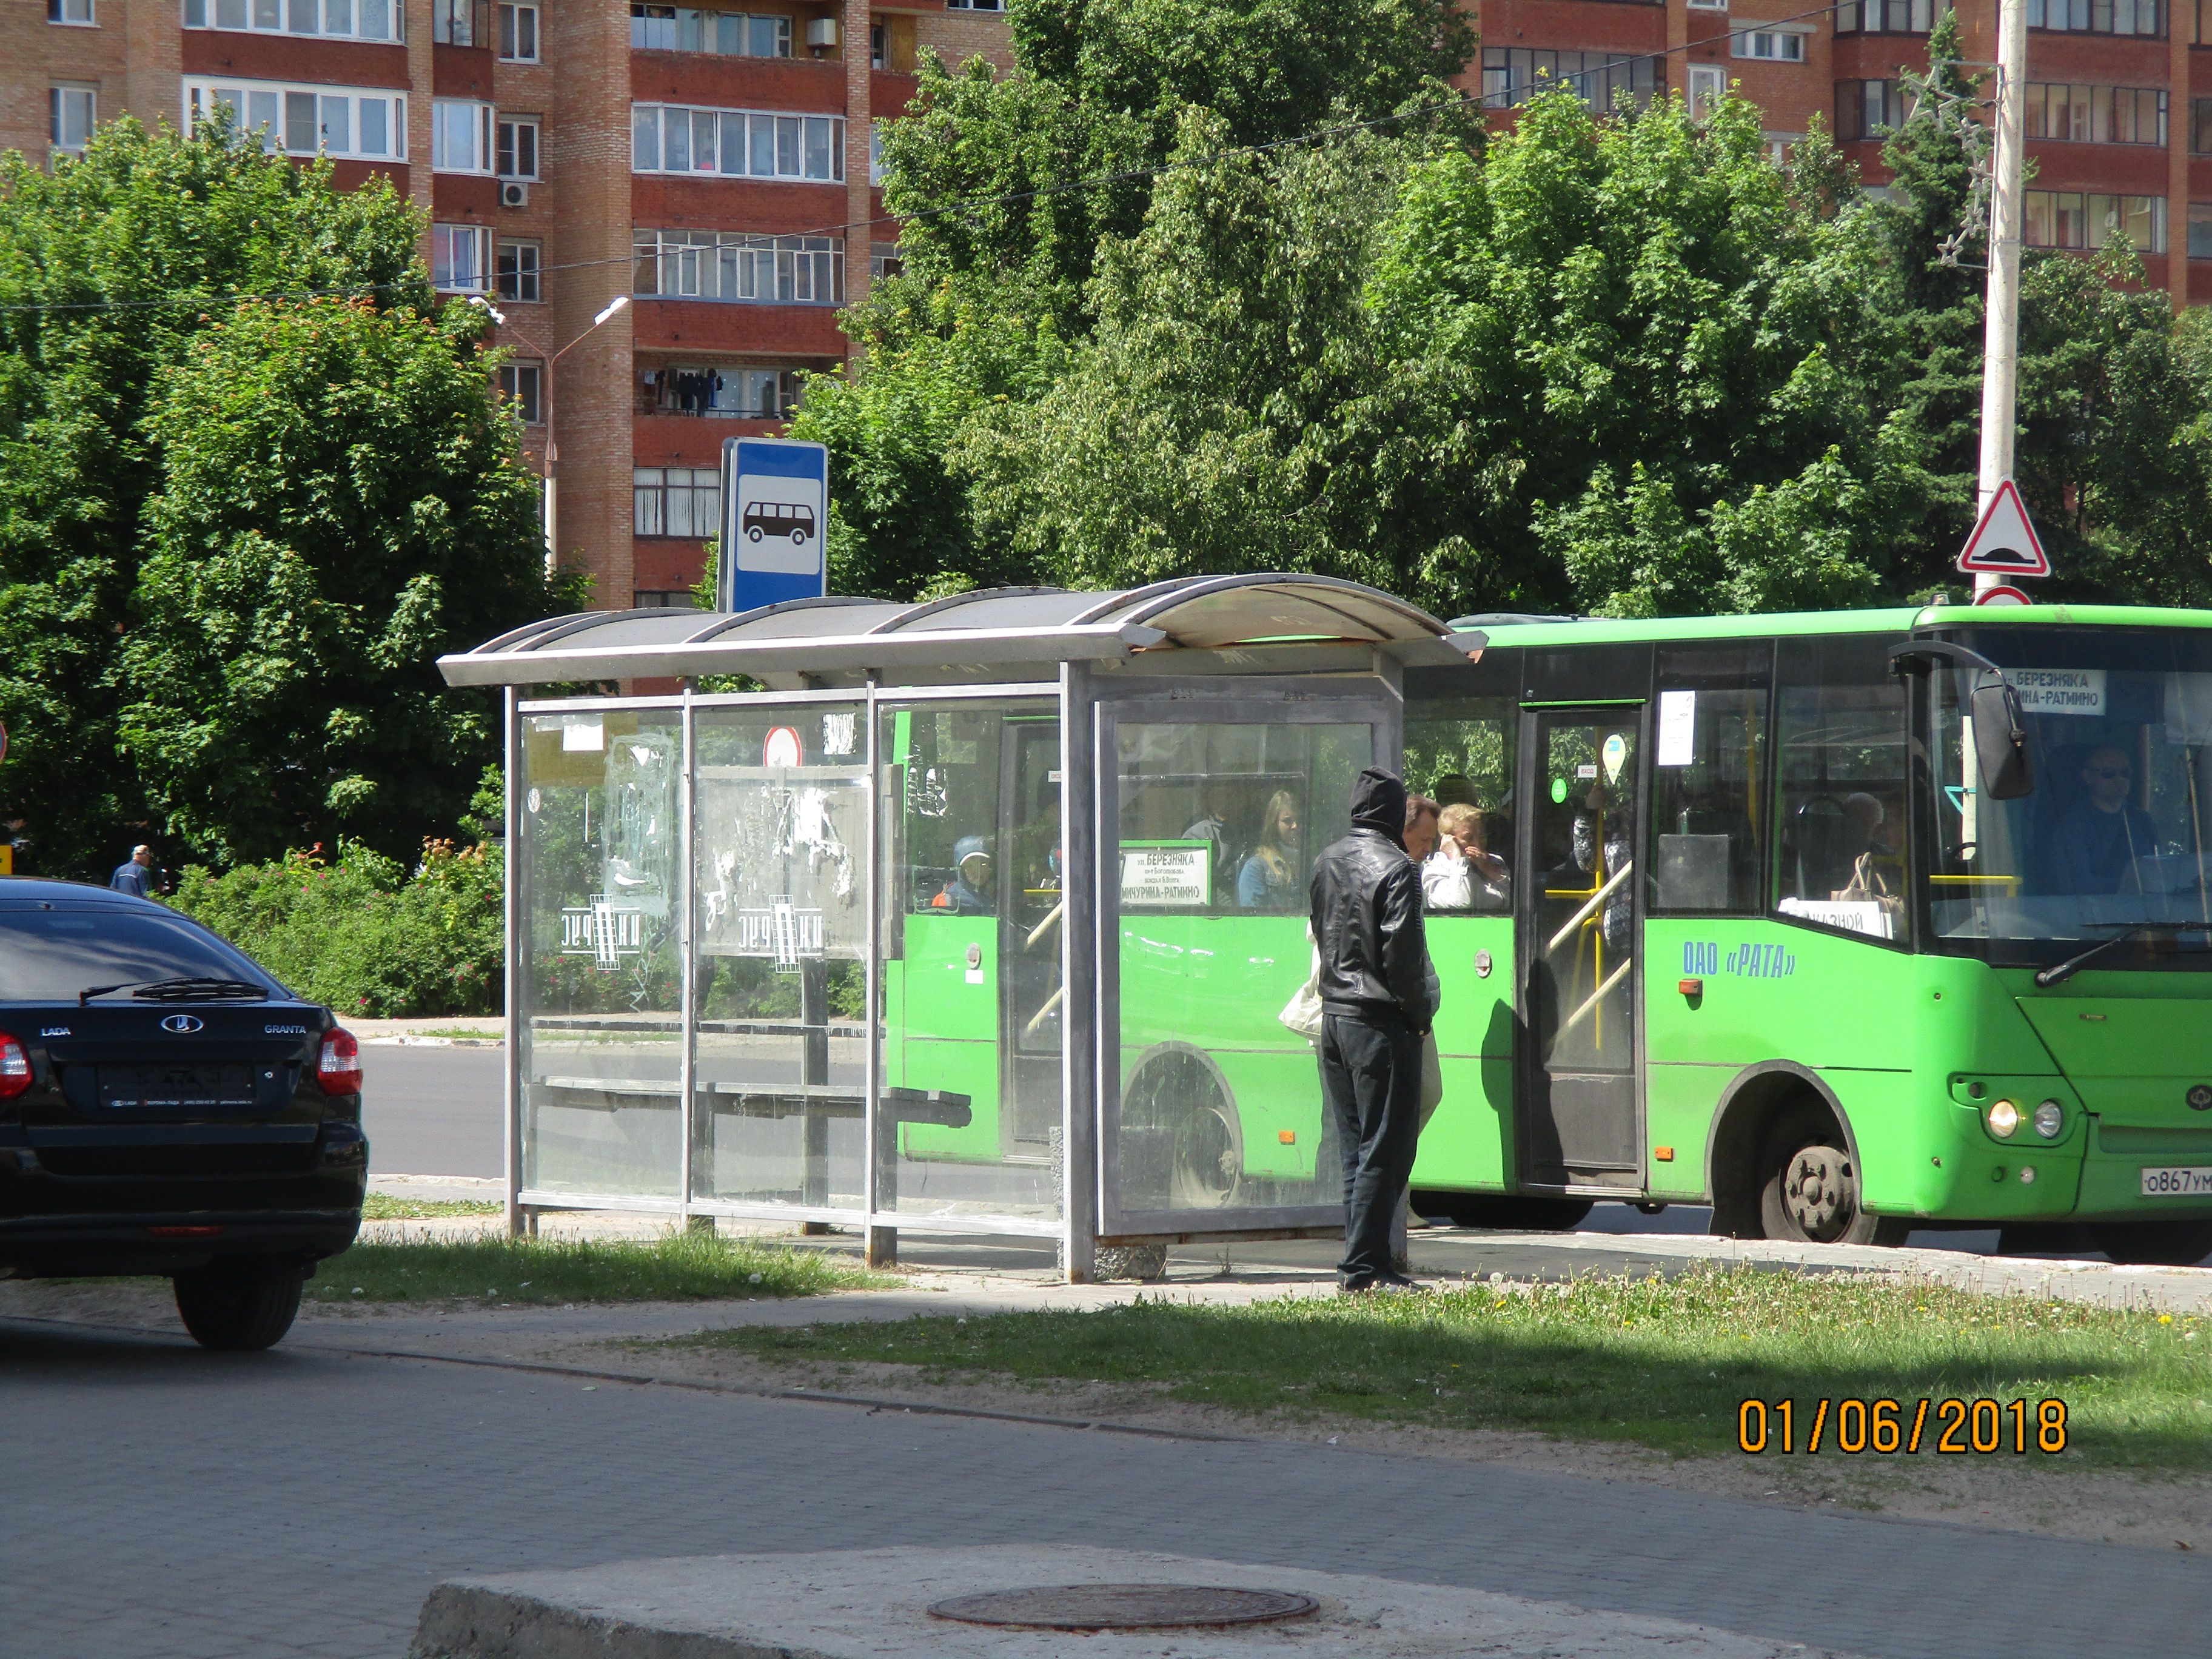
619 303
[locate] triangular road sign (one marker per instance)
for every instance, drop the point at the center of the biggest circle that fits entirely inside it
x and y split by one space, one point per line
2004 540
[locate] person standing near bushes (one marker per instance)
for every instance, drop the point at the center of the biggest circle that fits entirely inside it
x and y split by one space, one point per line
1377 1008
135 875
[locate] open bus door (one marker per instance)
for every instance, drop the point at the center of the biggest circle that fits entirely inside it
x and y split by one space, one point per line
1578 924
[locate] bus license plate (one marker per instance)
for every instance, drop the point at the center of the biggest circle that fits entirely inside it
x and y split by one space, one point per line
2178 1182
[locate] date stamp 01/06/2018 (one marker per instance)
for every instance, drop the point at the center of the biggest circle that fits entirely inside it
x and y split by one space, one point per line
1853 1425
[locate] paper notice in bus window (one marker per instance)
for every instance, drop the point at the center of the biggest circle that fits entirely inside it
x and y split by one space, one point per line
1855 915
1166 875
1678 728
587 732
2059 690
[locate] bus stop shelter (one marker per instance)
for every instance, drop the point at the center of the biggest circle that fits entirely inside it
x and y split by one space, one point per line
977 916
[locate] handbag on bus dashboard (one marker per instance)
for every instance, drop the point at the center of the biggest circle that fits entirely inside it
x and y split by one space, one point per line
1866 886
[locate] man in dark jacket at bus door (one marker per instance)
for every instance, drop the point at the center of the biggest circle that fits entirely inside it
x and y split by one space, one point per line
1367 904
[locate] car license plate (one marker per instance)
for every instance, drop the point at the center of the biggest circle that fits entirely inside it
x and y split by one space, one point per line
154 1087
2181 1182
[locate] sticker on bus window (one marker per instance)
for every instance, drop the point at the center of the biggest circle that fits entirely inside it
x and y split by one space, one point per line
1166 875
1616 756
1678 728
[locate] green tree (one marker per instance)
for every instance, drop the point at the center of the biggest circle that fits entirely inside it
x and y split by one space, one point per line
112 269
341 503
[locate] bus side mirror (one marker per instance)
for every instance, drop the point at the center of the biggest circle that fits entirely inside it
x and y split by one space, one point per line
2001 739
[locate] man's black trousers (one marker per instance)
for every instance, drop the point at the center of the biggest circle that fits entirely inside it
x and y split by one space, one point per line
1370 1076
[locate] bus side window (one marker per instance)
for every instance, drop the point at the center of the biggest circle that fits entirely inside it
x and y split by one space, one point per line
1459 753
1840 787
1709 753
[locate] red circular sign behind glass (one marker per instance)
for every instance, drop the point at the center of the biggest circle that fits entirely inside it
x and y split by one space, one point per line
783 749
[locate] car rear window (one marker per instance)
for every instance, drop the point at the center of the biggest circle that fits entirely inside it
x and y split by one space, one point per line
50 955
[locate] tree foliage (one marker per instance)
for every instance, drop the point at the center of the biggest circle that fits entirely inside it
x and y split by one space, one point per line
215 557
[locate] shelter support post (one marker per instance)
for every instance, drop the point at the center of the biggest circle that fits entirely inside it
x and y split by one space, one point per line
1085 1034
512 988
814 1067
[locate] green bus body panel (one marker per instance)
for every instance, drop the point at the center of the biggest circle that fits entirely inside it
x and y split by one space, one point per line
1802 625
944 1031
1218 983
1469 1142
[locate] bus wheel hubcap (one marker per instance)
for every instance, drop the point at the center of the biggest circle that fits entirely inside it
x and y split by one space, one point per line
1816 1189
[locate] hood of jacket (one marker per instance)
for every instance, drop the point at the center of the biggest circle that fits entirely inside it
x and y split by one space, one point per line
1378 802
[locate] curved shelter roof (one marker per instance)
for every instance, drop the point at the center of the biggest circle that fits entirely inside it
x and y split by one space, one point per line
994 633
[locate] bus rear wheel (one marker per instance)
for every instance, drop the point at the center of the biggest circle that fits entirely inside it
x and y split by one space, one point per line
1809 1189
2154 1243
1506 1212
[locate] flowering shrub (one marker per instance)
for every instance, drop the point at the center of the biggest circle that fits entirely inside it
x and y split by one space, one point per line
360 931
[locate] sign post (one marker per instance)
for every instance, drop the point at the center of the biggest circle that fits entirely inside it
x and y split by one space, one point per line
775 518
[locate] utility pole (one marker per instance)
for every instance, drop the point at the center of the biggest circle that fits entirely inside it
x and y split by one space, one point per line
2000 338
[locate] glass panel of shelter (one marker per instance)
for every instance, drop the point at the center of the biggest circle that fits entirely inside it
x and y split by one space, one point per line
599 1005
968 1117
781 891
1218 1103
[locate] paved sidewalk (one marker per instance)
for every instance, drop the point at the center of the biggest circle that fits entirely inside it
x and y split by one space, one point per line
170 1504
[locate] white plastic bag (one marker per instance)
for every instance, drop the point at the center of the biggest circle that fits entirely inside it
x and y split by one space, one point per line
1302 1013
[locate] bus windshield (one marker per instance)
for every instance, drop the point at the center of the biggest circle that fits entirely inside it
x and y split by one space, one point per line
2114 838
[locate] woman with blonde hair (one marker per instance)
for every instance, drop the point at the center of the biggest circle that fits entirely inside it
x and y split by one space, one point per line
1269 879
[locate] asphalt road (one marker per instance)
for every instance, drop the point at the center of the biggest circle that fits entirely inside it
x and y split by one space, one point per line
169 1504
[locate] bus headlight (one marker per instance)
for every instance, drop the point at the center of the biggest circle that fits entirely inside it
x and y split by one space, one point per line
2049 1118
2003 1118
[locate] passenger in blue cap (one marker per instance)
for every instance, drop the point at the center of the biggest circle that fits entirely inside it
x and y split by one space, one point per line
970 894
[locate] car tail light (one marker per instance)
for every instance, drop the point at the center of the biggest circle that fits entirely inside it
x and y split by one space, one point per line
338 1067
14 1067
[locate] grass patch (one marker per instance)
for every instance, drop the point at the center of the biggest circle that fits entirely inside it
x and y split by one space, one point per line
384 1206
675 1267
463 1033
1663 1363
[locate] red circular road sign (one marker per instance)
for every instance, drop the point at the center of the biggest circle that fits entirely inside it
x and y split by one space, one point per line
783 749
2002 595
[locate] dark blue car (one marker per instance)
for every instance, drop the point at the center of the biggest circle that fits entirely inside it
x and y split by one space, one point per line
167 1107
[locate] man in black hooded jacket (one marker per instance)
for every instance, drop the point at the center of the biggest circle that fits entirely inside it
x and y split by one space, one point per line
1366 900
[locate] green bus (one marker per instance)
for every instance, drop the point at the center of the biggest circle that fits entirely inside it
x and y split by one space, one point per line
1843 924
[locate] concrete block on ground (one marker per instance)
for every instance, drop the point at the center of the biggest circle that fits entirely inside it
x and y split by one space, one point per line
873 1604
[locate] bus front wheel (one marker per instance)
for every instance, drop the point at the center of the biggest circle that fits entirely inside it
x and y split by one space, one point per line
1808 1190
2155 1243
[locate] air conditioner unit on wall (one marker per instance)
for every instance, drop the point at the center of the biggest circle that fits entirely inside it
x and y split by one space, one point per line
512 192
822 31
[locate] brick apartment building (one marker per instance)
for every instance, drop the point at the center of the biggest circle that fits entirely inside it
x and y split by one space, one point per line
714 164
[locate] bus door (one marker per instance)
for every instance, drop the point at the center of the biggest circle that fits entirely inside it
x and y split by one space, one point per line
1577 923
1032 918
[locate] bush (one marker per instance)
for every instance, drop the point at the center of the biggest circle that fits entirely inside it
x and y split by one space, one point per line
362 933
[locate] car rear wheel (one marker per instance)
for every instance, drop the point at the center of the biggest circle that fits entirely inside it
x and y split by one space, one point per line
2155 1243
238 1307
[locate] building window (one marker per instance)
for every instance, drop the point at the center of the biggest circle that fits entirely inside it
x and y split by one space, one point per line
1708 5
1776 46
518 384
884 260
2076 219
2200 230
71 113
2200 125
2139 17
519 268
518 34
720 392
346 20
1886 16
459 22
1514 74
736 143
974 5
731 33
2097 115
1708 85
460 137
302 121
676 501
518 147
1867 109
708 264
460 259
78 12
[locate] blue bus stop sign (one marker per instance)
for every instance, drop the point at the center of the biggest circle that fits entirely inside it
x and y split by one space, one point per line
775 514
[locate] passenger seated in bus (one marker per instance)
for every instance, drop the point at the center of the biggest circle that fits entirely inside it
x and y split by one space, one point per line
1462 874
1453 789
1877 829
1269 879
1420 833
968 894
2094 845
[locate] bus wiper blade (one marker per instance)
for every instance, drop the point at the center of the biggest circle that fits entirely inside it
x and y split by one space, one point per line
177 990
2060 972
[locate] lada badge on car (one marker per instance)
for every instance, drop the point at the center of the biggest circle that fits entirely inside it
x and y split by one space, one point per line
182 1024
54 1030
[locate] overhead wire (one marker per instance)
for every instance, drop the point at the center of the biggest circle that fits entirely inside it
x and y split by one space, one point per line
1512 94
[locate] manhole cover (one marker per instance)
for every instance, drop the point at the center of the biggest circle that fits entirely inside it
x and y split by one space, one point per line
1125 1607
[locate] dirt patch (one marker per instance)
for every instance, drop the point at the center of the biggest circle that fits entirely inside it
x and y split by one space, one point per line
2057 1497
